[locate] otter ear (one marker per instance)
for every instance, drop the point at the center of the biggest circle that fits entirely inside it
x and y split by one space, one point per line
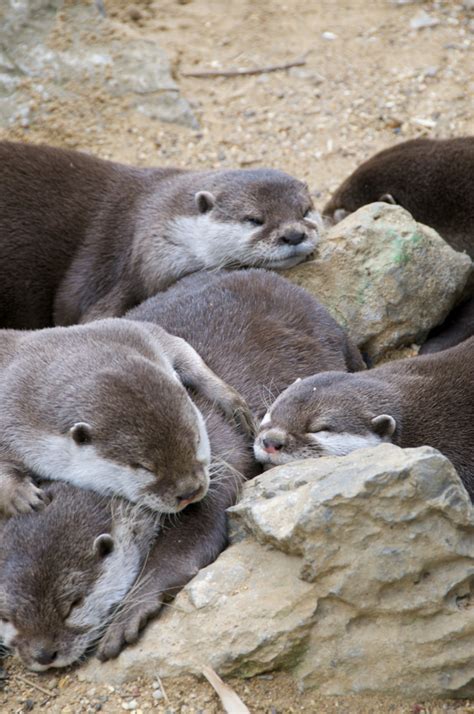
387 198
205 201
103 545
81 432
384 425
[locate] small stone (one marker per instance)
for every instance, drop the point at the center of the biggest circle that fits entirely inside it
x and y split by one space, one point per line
329 36
129 706
134 14
157 694
422 20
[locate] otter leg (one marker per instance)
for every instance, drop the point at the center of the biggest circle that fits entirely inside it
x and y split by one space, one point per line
194 373
180 551
18 493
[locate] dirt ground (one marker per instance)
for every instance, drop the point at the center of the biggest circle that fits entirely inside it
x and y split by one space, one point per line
369 80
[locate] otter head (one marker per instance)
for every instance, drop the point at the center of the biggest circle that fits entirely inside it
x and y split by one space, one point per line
131 430
383 178
329 414
253 218
63 571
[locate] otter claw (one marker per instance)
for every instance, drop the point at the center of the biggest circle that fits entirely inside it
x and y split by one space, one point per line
125 632
237 409
18 493
27 497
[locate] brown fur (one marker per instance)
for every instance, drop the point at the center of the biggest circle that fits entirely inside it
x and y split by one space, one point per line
260 331
431 399
115 378
430 178
83 238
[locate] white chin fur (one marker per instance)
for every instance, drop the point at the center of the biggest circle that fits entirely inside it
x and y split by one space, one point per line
219 244
203 452
339 444
8 632
60 458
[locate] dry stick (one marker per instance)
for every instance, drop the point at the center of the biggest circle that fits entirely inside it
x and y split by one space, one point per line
163 691
243 72
231 701
35 686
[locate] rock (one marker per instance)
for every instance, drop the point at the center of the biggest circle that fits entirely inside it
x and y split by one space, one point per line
72 49
354 573
385 278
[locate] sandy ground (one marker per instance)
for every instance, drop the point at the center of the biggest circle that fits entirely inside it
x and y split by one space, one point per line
368 81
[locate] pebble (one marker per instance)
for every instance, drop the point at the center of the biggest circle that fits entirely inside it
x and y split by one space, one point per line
157 694
130 706
329 36
422 20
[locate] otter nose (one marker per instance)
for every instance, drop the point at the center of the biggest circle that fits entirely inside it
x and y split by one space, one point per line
185 498
293 237
271 446
46 657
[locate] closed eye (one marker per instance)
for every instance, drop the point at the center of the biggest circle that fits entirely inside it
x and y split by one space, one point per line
77 602
254 221
307 212
136 465
322 427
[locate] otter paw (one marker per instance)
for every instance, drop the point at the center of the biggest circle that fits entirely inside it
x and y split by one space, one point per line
124 631
236 408
19 494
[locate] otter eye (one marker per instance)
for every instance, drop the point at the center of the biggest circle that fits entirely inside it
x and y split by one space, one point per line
77 602
307 212
320 427
136 465
4 619
254 221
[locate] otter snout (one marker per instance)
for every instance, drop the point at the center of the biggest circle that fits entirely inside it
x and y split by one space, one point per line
46 656
269 444
293 237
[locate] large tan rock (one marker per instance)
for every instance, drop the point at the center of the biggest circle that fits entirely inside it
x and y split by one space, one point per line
384 277
354 573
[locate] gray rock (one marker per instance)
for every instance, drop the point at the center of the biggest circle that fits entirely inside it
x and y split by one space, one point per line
354 573
386 278
65 45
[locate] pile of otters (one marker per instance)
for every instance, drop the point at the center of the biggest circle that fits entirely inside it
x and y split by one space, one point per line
135 363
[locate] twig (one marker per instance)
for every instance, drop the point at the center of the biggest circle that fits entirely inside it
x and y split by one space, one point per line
163 690
244 72
231 701
35 686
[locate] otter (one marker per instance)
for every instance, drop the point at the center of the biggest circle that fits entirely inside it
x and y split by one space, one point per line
426 400
432 179
104 406
64 569
260 331
82 238
457 327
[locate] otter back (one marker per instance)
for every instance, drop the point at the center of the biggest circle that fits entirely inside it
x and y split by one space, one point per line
256 328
